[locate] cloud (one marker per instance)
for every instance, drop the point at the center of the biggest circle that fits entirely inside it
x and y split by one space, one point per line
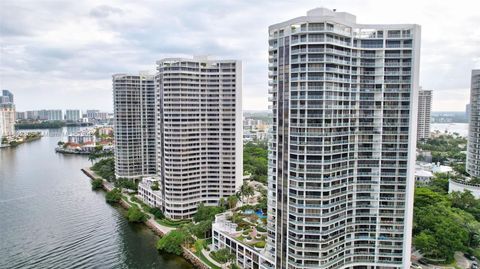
71 48
104 11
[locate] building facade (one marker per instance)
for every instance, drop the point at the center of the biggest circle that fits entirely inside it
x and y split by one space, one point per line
73 115
199 132
134 125
6 97
92 113
50 114
7 115
473 149
424 114
7 120
344 98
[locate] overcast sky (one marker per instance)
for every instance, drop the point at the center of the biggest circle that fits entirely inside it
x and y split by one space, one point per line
61 54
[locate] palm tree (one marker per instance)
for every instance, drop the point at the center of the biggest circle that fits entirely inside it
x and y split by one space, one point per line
232 201
246 190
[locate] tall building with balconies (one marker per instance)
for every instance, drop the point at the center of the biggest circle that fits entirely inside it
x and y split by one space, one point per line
73 115
7 115
341 162
473 149
199 132
134 122
424 114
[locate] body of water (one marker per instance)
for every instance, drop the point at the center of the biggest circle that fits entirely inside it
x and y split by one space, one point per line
460 128
50 217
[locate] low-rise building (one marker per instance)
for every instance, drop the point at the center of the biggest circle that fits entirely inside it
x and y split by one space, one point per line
423 176
247 255
81 139
150 192
108 131
461 186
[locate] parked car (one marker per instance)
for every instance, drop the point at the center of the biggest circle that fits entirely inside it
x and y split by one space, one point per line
423 261
415 266
469 256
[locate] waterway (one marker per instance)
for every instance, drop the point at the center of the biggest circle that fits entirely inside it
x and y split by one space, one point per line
50 217
460 128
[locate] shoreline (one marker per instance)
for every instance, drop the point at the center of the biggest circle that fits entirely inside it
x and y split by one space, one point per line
66 151
187 254
21 142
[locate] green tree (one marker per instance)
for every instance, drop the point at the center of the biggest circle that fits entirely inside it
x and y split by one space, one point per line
425 197
246 191
201 229
97 184
255 161
222 255
105 168
222 202
157 212
426 243
134 214
232 201
113 196
207 212
154 186
172 242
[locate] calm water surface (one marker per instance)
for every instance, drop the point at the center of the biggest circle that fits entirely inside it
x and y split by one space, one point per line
50 217
460 128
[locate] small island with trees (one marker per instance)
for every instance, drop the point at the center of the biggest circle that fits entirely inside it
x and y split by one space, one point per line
19 138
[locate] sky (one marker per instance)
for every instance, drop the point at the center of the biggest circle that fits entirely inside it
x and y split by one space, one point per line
62 54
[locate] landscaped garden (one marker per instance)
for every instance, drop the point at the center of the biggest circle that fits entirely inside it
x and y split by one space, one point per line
251 226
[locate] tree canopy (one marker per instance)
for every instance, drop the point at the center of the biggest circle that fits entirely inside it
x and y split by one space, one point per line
172 241
445 223
255 161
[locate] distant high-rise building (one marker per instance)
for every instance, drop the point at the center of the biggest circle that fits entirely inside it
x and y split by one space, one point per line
341 161
51 114
7 97
101 116
7 115
73 115
134 121
424 114
92 113
199 132
32 115
21 115
473 150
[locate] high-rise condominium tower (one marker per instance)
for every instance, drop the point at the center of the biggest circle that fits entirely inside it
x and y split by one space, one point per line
7 115
199 132
341 162
134 121
73 115
424 114
473 151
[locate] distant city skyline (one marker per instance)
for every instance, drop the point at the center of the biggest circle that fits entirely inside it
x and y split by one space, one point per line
46 66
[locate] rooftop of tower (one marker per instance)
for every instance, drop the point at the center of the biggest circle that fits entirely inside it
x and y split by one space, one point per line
324 14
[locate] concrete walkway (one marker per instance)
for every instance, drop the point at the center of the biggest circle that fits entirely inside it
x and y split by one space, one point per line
462 262
207 255
151 218
108 186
